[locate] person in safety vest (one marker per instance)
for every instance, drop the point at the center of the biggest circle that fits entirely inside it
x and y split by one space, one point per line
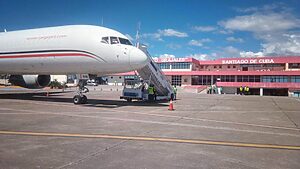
151 92
241 90
247 90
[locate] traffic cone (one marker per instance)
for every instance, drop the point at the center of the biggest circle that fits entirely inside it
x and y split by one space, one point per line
171 108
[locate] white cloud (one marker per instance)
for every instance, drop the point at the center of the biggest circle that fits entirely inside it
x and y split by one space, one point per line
195 43
172 32
173 46
205 40
166 56
165 33
245 10
225 32
230 51
233 39
275 25
200 42
155 36
251 54
198 56
259 22
204 28
203 56
281 44
278 6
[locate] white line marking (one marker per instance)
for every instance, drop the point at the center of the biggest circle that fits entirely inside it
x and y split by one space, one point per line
161 123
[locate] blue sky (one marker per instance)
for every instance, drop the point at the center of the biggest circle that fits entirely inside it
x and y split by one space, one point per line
188 28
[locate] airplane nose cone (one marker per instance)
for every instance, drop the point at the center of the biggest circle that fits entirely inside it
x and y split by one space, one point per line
138 59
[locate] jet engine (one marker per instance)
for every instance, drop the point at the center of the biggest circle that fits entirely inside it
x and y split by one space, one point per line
30 81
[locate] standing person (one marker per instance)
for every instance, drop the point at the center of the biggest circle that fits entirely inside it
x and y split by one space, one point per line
241 90
175 92
247 90
209 90
151 92
221 90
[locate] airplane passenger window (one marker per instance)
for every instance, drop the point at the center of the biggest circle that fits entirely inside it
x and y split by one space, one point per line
105 40
114 40
125 41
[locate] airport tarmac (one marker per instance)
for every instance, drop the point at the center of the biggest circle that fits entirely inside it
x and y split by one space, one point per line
205 131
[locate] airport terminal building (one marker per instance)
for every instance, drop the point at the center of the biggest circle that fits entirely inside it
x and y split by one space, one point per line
263 75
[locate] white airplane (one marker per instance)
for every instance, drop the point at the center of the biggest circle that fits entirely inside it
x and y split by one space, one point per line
30 56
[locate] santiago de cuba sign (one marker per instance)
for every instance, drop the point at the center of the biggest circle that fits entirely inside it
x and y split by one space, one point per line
247 61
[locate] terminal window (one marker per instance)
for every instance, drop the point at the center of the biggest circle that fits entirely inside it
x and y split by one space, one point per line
247 78
294 65
274 79
176 80
224 78
264 67
181 65
295 79
201 80
164 65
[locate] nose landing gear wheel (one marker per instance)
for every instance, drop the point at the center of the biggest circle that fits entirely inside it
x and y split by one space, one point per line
83 99
80 99
77 99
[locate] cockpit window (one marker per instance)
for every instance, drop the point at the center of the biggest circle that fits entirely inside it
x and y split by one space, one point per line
105 40
125 41
114 40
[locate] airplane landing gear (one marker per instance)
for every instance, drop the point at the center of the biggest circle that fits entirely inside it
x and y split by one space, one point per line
80 98
77 99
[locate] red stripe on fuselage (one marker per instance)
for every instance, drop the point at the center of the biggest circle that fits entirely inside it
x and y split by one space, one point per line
45 55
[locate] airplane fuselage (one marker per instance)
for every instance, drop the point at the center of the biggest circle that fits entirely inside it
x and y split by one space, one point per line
68 49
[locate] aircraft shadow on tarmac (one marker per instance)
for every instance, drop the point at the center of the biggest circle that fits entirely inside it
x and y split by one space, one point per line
40 97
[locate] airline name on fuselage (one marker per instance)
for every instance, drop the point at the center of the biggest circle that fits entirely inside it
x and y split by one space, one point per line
46 37
247 61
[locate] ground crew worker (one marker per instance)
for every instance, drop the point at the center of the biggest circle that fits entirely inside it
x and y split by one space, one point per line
151 92
241 90
209 90
175 92
221 90
247 90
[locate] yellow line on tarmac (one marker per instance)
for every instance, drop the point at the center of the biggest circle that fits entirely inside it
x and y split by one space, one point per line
157 139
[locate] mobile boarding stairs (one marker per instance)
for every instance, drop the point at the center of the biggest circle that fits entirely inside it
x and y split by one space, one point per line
150 74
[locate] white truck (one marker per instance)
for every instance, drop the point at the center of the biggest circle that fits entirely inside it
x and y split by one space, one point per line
135 90
138 90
